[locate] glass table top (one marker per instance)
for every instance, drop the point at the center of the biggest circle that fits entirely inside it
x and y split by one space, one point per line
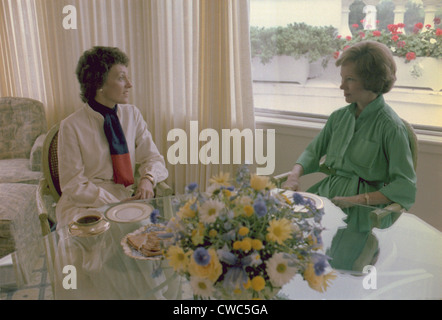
377 254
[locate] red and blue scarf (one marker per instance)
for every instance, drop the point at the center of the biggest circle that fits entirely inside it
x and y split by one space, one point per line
119 151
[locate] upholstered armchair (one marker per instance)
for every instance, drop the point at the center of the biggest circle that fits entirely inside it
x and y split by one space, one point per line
22 131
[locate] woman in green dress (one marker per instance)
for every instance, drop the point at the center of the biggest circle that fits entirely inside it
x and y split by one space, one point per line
368 155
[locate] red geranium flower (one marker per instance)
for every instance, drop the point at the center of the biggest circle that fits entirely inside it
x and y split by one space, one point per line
438 32
436 20
410 56
355 25
377 33
348 38
392 28
362 35
336 55
395 38
419 25
401 44
401 25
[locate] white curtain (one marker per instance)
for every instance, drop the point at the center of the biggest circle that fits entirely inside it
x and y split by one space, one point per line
190 61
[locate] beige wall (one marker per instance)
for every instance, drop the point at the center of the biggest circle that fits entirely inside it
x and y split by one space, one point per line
293 136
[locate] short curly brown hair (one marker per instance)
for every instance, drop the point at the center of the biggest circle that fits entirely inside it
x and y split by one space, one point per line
374 64
93 68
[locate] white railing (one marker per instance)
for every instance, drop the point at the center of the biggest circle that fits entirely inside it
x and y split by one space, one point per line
430 7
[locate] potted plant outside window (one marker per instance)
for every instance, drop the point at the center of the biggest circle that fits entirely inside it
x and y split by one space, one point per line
289 53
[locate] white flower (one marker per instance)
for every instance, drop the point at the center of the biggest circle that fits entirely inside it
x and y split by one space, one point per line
279 271
245 201
201 286
210 210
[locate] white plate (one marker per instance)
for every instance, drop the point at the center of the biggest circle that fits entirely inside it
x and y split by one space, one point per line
129 212
132 252
313 197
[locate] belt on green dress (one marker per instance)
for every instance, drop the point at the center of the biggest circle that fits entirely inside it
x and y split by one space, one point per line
334 172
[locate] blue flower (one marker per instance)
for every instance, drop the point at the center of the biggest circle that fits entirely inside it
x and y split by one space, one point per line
320 263
154 216
260 208
298 198
201 256
191 187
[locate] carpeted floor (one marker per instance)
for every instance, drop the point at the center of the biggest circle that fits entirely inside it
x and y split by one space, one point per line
39 287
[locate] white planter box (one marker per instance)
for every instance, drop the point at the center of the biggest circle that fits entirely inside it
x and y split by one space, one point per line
427 73
281 69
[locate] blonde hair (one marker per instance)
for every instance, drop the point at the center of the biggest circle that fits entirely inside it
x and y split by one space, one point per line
374 64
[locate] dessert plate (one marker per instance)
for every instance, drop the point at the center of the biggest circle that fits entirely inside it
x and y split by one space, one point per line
129 212
133 253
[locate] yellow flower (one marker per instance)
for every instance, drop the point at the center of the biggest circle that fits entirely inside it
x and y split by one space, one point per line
256 244
198 234
318 283
246 244
223 179
213 233
185 211
259 182
258 283
243 231
227 193
211 271
248 210
279 230
237 245
178 259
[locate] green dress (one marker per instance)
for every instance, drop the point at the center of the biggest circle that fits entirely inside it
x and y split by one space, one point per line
364 154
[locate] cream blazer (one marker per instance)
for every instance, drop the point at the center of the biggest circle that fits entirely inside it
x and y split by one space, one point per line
85 165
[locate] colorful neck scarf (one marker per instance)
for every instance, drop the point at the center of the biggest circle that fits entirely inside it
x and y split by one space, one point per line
121 163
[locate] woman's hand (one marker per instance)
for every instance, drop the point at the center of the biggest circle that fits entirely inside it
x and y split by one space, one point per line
144 190
292 183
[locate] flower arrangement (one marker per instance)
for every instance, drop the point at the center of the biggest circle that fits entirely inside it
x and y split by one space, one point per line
247 241
424 41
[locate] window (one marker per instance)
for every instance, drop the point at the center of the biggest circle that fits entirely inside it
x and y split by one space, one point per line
293 48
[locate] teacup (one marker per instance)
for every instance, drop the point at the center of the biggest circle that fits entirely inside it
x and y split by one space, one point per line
88 220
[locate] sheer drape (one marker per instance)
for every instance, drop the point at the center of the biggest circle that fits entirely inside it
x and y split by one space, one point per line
190 61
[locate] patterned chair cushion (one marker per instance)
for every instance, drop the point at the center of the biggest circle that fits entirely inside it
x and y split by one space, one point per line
20 229
18 171
22 131
22 120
